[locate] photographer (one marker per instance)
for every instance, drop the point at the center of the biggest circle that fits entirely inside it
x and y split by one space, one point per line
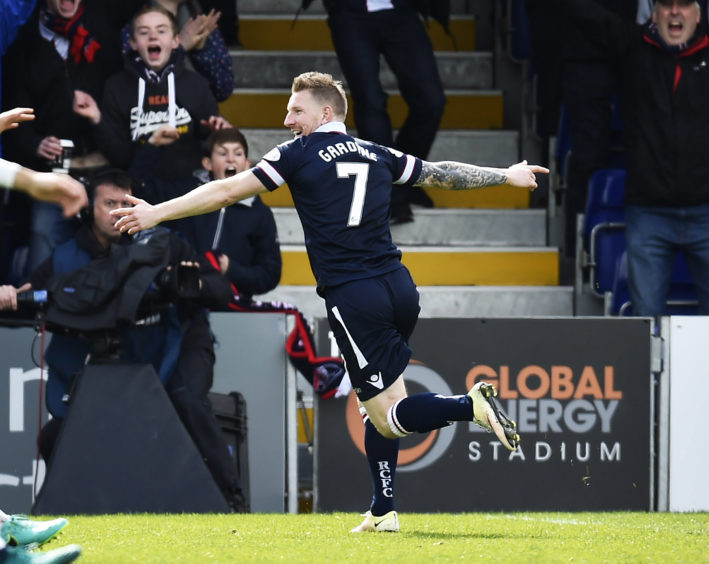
178 341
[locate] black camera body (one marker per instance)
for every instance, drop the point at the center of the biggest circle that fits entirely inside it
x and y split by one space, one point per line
32 299
172 285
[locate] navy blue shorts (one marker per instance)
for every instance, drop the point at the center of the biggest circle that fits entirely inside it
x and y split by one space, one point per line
372 320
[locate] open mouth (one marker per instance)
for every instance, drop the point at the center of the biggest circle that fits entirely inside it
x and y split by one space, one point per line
67 6
229 171
154 52
675 27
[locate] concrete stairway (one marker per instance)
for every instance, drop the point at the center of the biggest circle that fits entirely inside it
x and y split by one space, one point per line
480 253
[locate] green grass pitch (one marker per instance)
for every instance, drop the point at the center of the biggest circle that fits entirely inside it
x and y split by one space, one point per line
429 537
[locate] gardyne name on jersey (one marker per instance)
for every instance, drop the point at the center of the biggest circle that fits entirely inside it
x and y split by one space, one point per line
338 149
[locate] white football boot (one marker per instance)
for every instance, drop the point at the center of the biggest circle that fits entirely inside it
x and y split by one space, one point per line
389 522
490 417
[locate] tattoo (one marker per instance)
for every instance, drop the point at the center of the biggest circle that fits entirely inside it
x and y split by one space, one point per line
451 175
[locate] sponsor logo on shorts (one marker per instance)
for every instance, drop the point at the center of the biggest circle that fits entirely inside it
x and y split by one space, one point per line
431 446
376 381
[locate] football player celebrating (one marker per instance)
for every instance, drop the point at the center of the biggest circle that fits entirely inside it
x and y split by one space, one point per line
341 188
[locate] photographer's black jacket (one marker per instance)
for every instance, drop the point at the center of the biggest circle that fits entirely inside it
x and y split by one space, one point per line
215 289
182 325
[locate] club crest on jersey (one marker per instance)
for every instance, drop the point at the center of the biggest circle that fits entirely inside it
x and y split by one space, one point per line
273 155
376 381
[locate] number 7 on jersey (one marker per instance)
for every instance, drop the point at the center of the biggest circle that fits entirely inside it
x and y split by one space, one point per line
361 172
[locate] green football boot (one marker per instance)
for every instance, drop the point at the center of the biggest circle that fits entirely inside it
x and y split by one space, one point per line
19 530
18 555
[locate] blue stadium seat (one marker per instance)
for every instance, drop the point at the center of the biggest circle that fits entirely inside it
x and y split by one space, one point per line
604 227
681 297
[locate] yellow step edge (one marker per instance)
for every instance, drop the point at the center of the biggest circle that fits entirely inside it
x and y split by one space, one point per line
501 197
305 415
312 33
263 109
484 267
484 198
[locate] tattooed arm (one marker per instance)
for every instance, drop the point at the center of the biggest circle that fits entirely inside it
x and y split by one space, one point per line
451 175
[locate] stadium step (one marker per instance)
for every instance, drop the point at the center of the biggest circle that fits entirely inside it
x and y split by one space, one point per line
477 253
290 7
276 69
452 266
484 147
455 301
465 109
455 227
484 198
310 32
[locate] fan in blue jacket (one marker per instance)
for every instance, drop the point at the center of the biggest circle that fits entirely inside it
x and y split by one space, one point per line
243 236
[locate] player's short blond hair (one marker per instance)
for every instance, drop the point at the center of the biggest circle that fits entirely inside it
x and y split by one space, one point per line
325 90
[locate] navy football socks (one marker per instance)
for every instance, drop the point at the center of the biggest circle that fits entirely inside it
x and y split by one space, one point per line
381 455
425 412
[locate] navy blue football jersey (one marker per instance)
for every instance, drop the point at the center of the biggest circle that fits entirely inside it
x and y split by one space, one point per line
341 188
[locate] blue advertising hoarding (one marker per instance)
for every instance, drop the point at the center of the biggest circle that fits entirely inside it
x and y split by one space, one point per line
580 390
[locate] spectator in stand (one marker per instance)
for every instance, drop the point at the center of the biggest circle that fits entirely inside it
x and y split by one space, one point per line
59 189
155 98
589 82
65 48
666 126
646 7
364 31
202 42
584 75
13 13
242 237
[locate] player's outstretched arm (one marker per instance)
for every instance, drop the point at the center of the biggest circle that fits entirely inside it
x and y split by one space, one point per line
14 117
60 189
451 175
204 199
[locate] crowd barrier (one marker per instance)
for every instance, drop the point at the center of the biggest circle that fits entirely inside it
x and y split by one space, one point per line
587 393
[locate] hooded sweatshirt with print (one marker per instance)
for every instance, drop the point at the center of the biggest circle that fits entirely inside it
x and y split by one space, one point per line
137 101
